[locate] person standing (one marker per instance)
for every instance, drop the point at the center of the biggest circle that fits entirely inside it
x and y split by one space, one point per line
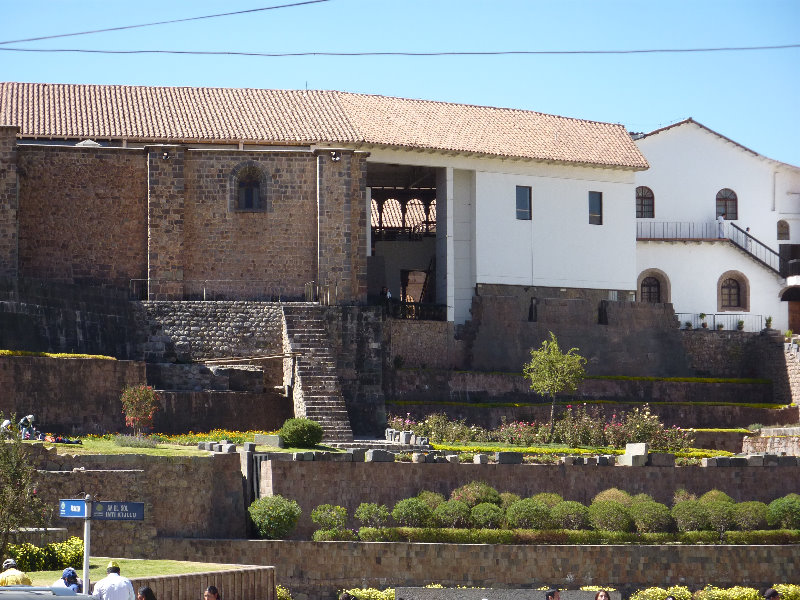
212 593
145 593
11 575
721 226
113 586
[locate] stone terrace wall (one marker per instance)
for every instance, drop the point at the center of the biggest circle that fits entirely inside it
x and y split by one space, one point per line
200 496
426 344
82 214
186 331
315 570
349 484
70 395
201 411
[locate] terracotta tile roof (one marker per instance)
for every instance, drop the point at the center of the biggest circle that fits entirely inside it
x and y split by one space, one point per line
161 114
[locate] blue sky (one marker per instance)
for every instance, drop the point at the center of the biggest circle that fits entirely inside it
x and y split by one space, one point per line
750 97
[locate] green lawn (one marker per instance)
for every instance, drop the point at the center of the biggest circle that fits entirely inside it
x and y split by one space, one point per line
93 445
131 568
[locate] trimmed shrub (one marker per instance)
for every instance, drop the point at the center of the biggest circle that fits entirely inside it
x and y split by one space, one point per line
334 535
487 516
453 513
750 515
784 513
282 593
371 514
529 514
610 515
507 499
550 499
715 496
274 516
412 512
651 517
570 515
383 534
690 515
657 593
681 494
328 516
475 492
711 592
432 499
614 494
301 433
641 498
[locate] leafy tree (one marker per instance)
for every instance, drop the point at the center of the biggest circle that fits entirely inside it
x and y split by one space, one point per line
139 403
19 504
552 371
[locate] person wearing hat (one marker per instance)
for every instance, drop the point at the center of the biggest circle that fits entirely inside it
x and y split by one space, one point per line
69 579
113 586
11 575
772 594
551 594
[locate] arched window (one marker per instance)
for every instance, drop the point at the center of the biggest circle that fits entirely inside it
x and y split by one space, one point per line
783 230
733 292
248 186
650 290
645 203
727 204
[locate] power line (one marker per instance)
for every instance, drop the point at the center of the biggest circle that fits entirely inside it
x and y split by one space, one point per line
228 14
411 54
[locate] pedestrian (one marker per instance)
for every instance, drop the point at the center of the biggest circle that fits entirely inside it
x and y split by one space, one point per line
11 575
113 586
552 594
145 593
212 593
69 579
721 225
772 594
604 595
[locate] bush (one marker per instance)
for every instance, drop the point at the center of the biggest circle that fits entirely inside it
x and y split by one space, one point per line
371 594
570 515
784 513
610 515
651 517
507 499
475 492
614 494
641 498
371 514
715 496
301 433
548 498
453 513
690 515
657 593
432 499
282 593
274 516
133 441
327 516
711 592
412 512
750 515
529 514
487 516
51 557
681 494
384 534
139 404
334 535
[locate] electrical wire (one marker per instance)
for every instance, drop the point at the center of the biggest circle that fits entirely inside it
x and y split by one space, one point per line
411 54
227 14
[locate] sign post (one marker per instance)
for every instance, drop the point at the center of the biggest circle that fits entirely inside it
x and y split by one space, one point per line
87 542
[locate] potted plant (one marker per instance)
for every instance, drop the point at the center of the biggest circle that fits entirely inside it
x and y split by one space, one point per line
787 335
739 324
688 324
703 320
768 322
720 326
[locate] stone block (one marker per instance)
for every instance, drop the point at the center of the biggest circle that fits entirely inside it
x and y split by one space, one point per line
723 461
202 445
358 454
423 441
269 440
452 459
418 457
389 434
396 437
248 447
430 458
309 455
405 437
590 461
770 460
300 456
607 460
217 447
661 459
440 460
708 462
755 460
228 448
379 456
738 461
480 459
223 442
636 449
787 461
508 458
333 456
632 460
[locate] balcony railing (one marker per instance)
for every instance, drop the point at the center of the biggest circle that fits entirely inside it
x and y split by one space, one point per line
418 311
727 321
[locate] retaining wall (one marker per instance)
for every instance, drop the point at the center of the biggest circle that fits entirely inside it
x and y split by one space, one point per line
315 570
240 583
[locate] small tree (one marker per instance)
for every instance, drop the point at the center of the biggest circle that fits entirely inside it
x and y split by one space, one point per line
552 371
19 504
139 403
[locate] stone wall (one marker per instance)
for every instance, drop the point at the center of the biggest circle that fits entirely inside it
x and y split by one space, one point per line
773 444
9 203
315 570
82 214
425 344
202 411
350 484
200 496
70 395
240 583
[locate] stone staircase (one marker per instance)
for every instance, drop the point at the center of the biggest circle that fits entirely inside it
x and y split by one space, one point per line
317 392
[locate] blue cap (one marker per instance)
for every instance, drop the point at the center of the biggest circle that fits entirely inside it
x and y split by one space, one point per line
69 573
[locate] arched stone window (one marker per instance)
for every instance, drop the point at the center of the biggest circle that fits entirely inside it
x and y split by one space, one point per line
248 189
727 204
653 286
783 230
733 292
645 203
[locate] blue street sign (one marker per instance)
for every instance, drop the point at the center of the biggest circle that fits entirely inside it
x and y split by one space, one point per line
72 508
118 511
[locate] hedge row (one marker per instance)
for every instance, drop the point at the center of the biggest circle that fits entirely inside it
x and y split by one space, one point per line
50 557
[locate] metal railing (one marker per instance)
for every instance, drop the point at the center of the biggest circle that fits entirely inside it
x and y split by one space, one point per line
727 321
418 311
757 249
325 294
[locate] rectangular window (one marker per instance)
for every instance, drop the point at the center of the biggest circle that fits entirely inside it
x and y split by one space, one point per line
523 203
595 208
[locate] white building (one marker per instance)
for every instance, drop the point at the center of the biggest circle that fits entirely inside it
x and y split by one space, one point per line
733 271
